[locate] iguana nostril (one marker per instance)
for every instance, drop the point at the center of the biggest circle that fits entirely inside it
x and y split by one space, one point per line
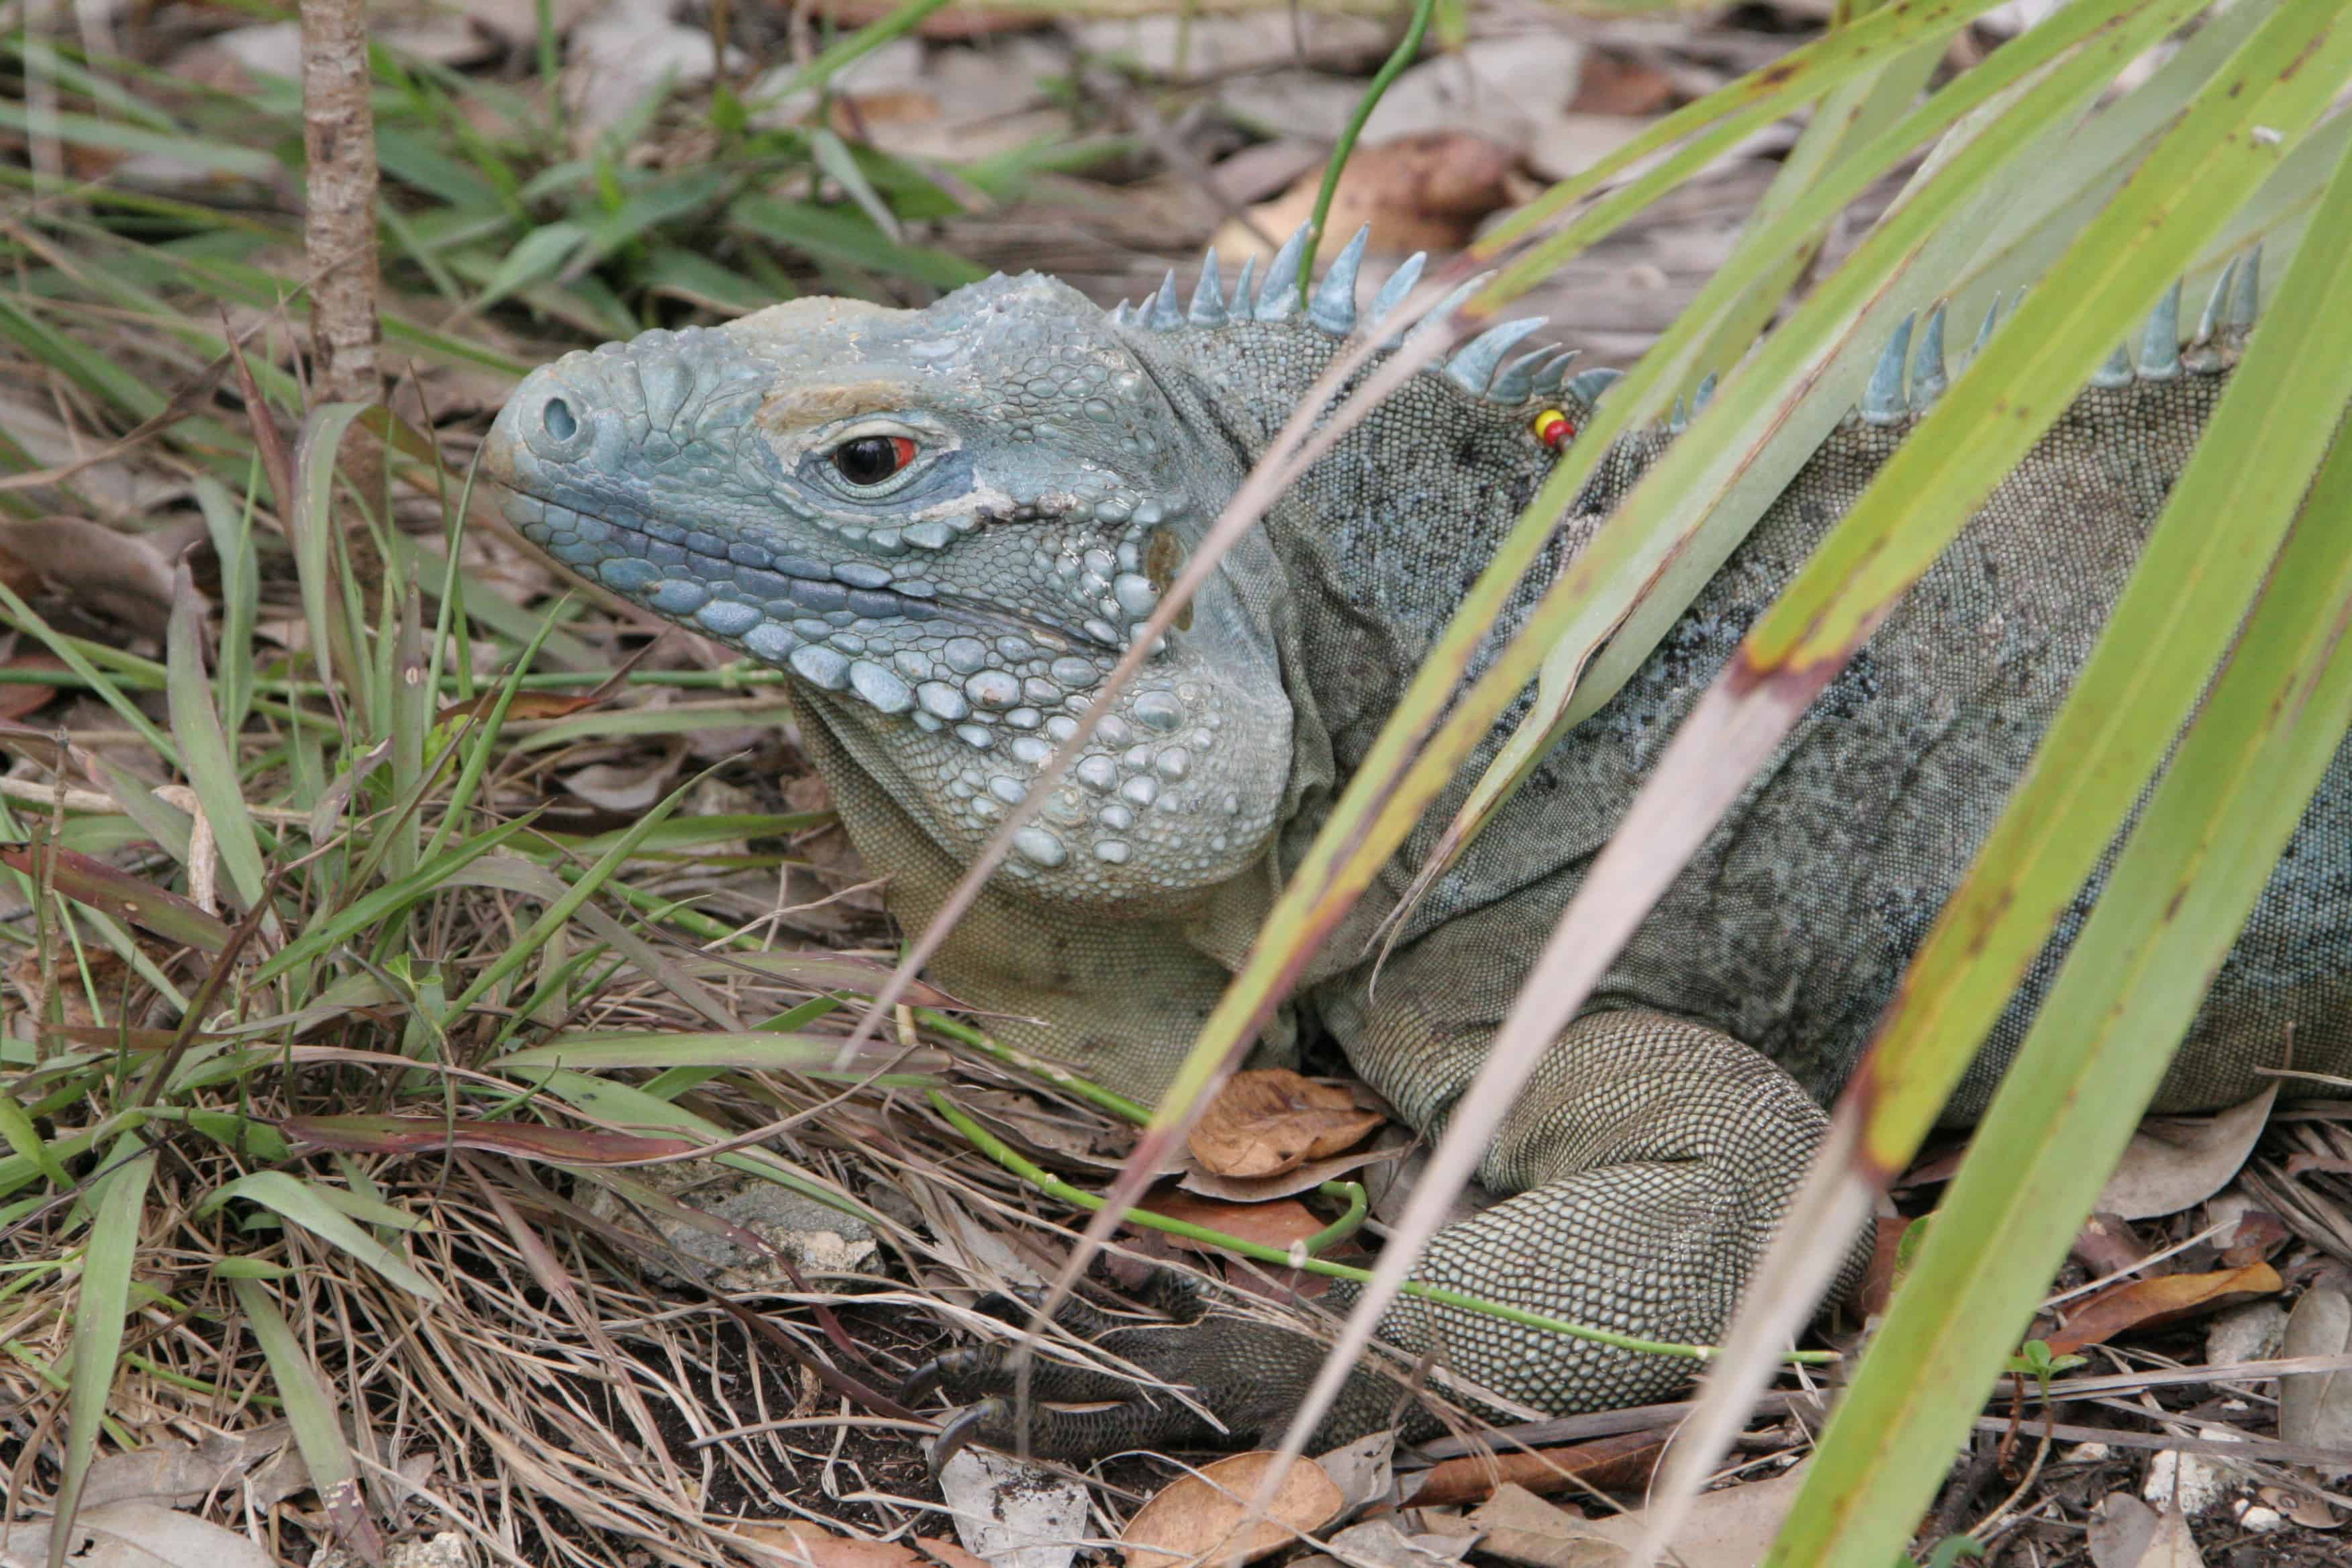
558 419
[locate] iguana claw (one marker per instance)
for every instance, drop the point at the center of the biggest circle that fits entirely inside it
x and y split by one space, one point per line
959 1431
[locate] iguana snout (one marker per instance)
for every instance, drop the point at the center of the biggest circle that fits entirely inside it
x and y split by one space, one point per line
949 524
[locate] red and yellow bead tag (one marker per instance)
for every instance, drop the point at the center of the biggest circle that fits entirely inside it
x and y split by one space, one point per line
1553 428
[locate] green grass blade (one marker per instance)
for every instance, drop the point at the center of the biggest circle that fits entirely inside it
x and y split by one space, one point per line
383 902
311 1412
809 1055
25 618
522 875
537 256
118 1204
1802 74
1671 536
480 745
898 22
2173 620
411 708
231 527
2001 402
109 136
312 523
631 1108
2284 407
2277 84
837 234
2101 1042
204 748
309 1204
552 917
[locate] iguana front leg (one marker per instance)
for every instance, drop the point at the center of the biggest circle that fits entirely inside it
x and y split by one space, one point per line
1649 1159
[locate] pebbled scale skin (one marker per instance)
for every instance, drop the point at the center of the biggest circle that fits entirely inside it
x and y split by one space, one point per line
943 628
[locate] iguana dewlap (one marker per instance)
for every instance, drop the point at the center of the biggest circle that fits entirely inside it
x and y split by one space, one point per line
946 523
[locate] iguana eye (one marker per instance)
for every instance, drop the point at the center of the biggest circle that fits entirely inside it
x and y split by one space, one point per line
868 460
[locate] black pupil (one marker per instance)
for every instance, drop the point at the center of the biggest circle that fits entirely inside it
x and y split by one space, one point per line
868 460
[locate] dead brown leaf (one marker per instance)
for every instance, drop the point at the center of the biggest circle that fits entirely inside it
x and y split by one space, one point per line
2258 1236
102 973
2127 1533
1053 1133
2172 1162
123 577
1728 1528
20 699
1278 1224
1272 1120
2316 1408
1306 1178
1612 84
2309 1512
1423 191
1878 1279
825 1550
1197 1514
2137 1303
2106 1244
631 784
1522 1527
1363 1470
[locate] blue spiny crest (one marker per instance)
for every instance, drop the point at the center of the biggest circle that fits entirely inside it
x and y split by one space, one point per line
1902 385
2159 354
1478 367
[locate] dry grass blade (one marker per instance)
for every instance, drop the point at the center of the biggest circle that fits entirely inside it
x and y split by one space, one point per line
103 887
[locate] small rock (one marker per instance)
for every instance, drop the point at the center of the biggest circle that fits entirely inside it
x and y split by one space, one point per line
446 1550
2255 1516
2190 1483
1572 142
818 1238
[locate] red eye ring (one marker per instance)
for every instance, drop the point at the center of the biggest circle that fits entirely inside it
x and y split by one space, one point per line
869 459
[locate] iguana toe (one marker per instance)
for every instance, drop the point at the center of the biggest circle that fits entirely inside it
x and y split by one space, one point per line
1225 1379
1075 1436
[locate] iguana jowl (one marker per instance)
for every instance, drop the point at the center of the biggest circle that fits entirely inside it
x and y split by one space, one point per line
946 523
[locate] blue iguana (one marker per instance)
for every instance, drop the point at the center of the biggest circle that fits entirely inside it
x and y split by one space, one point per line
947 524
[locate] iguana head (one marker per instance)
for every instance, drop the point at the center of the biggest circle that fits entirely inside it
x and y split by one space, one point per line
947 524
